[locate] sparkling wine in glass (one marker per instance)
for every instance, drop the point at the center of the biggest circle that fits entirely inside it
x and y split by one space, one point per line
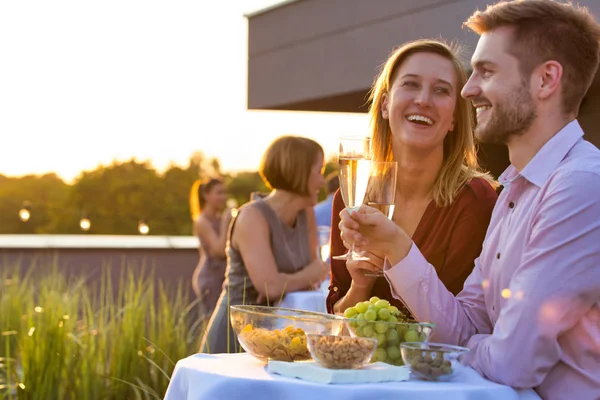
381 192
354 170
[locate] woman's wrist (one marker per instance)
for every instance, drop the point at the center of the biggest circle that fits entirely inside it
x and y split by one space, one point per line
360 290
398 247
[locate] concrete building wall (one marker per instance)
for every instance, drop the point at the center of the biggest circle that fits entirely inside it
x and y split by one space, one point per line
309 50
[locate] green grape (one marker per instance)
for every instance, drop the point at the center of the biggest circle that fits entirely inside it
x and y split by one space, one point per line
358 331
361 321
382 303
384 314
401 329
350 312
388 360
370 315
361 307
393 352
374 308
399 362
368 331
392 336
392 319
423 336
394 310
411 336
374 299
381 327
380 353
380 339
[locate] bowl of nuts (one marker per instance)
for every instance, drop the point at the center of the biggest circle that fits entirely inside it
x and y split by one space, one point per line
431 361
340 352
274 333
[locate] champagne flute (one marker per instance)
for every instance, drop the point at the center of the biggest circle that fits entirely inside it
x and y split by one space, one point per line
354 169
324 233
381 192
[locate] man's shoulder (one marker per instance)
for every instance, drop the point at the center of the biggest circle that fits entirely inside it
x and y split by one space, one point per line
584 157
582 160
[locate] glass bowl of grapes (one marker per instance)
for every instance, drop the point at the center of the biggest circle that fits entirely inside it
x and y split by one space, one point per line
432 361
377 319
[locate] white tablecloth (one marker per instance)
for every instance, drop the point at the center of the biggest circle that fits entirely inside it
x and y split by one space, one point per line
241 376
313 300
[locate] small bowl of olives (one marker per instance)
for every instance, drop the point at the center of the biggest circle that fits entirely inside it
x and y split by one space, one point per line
431 361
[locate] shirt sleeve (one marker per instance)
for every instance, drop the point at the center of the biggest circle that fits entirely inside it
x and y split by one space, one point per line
340 278
429 295
557 283
414 281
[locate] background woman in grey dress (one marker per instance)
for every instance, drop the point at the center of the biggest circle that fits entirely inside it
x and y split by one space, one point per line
211 220
273 240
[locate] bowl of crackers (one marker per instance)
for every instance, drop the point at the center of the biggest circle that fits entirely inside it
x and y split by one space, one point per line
274 333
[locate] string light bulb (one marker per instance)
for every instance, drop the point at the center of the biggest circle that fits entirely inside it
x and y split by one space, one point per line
143 228
25 211
85 224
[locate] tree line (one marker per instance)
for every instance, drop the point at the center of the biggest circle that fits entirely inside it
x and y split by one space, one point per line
116 197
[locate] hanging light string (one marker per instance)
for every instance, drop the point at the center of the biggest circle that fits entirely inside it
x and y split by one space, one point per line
85 222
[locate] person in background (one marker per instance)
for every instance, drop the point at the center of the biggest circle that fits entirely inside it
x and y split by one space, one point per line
272 239
323 209
443 199
211 219
530 311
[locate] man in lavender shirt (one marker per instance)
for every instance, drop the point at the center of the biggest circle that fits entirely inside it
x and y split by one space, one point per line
530 311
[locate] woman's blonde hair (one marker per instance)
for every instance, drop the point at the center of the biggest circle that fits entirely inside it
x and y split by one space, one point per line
197 199
460 163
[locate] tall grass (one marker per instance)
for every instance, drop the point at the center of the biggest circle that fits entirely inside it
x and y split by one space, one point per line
63 338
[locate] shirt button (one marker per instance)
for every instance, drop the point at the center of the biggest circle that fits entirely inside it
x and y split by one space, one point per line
511 205
498 256
335 289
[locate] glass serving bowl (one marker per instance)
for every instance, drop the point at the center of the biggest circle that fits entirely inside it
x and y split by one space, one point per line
273 333
389 336
432 361
340 352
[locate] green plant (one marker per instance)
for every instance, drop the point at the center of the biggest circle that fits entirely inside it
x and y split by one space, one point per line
65 338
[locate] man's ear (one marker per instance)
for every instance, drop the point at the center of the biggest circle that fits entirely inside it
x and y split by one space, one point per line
548 79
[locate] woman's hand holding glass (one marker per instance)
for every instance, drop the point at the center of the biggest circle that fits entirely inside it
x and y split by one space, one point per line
363 273
370 230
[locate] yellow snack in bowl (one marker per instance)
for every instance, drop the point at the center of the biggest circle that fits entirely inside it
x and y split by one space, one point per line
288 344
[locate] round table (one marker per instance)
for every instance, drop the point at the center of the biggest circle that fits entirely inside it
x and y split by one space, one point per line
241 376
